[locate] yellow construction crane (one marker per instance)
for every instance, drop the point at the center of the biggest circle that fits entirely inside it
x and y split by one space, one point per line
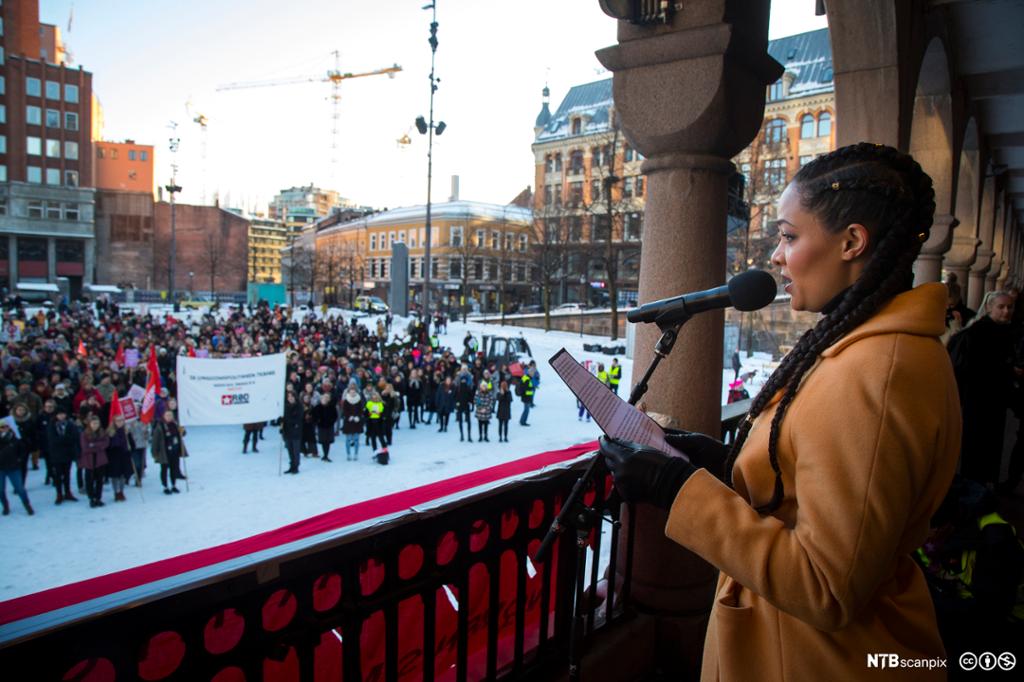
334 77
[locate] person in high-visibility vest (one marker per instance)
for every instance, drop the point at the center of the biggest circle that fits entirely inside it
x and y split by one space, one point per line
527 384
602 375
615 375
374 415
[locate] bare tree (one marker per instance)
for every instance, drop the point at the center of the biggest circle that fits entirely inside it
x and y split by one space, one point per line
550 254
212 258
468 253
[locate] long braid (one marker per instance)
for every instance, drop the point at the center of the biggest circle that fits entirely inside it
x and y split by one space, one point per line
886 191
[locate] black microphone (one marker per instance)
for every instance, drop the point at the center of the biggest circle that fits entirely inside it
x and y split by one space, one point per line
751 290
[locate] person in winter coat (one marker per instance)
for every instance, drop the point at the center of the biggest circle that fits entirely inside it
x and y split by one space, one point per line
93 459
11 455
63 438
324 415
63 398
291 430
431 380
846 453
464 394
414 397
119 463
167 449
374 408
503 399
352 411
43 421
251 432
983 360
444 403
27 431
392 411
484 402
308 427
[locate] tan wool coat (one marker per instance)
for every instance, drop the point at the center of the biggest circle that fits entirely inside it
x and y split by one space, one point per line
867 450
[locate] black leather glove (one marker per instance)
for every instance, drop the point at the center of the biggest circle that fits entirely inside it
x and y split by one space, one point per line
643 474
704 451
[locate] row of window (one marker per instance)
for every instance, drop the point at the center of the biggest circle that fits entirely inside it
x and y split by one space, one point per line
570 229
599 156
133 154
775 129
53 210
387 240
477 269
34 147
481 242
632 186
34 116
37 249
774 173
34 88
53 176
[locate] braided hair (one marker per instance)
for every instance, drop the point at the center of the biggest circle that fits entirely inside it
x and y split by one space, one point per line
886 191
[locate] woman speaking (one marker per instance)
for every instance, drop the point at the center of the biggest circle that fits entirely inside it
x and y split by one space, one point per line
845 455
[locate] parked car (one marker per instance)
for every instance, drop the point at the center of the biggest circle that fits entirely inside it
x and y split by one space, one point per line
569 308
198 302
371 304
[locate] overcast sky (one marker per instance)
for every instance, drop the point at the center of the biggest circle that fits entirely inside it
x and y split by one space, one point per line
150 58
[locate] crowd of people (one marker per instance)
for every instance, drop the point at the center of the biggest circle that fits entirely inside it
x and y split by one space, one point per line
63 370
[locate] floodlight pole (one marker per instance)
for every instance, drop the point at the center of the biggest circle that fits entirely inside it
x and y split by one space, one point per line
427 264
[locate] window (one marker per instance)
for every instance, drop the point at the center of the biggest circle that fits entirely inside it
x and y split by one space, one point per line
478 269
53 90
595 190
412 238
492 270
775 91
70 93
3 144
34 146
33 87
627 186
632 225
745 169
600 228
479 239
71 178
71 211
71 150
3 211
824 124
373 268
806 126
575 193
628 153
3 113
53 210
3 85
35 209
401 236
551 231
508 241
456 235
52 176
34 174
522 242
558 162
113 153
52 118
774 174
99 153
131 154
595 157
547 195
576 161
520 272
575 228
775 131
384 267
32 248
143 155
373 242
455 268
70 250
549 163
391 239
806 159
3 172
639 186
577 126
53 149
495 240
70 120
435 267
1 54
33 115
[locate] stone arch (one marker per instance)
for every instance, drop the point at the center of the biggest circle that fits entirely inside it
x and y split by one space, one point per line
931 144
986 231
964 248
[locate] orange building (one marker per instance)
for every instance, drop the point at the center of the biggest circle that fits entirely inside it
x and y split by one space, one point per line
124 166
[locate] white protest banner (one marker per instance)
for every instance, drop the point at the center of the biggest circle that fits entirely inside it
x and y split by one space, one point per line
128 409
230 390
137 393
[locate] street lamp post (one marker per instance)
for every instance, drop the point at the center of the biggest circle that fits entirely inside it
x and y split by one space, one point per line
173 189
191 284
429 129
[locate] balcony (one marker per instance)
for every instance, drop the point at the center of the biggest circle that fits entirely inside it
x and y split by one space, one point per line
432 585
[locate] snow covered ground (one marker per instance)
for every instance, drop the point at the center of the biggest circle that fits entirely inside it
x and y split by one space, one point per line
232 496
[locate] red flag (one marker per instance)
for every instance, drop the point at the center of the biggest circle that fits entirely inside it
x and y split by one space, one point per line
191 351
119 357
115 408
81 348
152 388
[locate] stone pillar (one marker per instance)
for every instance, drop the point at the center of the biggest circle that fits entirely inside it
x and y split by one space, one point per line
983 259
689 96
928 266
12 261
88 277
961 256
51 259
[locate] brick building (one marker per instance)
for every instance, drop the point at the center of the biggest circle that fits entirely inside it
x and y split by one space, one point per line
125 166
46 204
212 244
124 238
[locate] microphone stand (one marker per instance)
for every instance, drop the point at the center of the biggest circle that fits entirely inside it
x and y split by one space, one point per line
582 518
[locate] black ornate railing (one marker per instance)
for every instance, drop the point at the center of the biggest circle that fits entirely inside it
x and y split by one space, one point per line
445 592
